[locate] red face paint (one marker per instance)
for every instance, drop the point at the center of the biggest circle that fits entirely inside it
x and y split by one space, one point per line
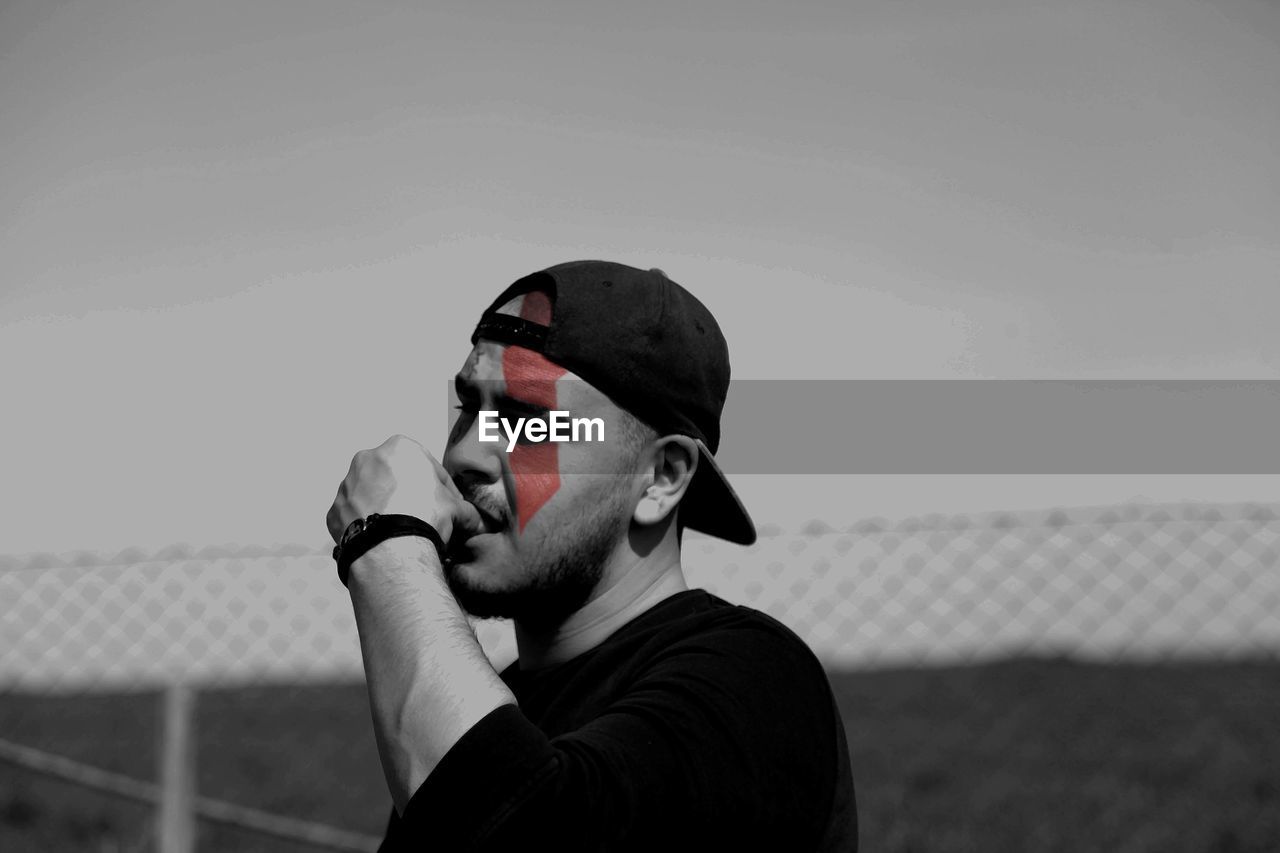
532 378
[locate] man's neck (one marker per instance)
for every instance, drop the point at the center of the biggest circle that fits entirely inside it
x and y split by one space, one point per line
624 593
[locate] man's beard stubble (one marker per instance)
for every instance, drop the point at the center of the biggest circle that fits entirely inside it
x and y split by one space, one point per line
553 592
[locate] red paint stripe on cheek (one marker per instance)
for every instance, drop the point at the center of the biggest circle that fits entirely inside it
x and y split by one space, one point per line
534 467
531 377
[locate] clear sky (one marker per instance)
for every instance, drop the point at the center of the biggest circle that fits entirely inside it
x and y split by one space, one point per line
239 241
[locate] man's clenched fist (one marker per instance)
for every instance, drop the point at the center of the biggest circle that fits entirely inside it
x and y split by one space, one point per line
399 476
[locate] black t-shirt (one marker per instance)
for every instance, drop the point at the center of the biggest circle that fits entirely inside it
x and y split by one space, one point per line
698 725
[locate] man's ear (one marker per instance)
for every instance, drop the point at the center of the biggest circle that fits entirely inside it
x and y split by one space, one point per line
675 460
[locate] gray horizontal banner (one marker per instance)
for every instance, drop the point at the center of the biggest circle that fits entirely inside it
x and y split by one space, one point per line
999 427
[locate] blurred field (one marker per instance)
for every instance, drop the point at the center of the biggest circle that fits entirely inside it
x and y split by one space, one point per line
1027 755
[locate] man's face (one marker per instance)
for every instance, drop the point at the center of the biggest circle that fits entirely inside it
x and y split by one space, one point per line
554 511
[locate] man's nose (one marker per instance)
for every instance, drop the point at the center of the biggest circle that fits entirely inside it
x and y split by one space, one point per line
469 461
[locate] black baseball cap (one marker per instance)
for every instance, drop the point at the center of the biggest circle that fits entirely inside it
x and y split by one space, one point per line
652 348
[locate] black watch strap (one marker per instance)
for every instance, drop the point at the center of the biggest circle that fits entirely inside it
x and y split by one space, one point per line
363 533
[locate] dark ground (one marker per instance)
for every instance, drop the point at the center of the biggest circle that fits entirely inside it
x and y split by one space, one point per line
1017 756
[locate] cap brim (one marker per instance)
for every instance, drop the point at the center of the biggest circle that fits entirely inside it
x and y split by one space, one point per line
711 505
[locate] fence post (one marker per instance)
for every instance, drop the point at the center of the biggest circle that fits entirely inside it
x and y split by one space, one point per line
176 822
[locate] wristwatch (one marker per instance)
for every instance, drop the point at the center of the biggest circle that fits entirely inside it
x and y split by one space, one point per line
363 533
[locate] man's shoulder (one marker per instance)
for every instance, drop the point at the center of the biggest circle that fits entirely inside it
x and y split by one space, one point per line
760 707
715 632
698 612
692 643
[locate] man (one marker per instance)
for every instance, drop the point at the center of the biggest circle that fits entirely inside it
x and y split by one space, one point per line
641 714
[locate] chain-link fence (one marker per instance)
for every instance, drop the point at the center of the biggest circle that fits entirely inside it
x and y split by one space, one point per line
1130 583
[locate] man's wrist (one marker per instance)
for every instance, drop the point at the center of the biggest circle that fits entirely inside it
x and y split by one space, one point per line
415 553
364 534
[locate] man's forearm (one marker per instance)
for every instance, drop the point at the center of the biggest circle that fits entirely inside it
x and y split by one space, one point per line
429 680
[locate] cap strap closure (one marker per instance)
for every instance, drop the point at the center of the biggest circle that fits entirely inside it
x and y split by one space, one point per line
506 329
